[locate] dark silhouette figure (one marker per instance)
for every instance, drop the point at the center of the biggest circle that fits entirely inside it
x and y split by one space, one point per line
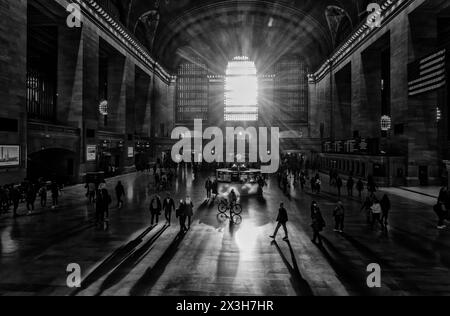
350 186
339 217
385 209
282 220
102 206
120 192
189 208
318 223
181 215
360 188
168 207
155 209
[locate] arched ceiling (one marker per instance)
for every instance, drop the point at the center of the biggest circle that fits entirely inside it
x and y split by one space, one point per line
218 30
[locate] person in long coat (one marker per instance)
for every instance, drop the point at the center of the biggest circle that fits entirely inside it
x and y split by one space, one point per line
189 211
102 205
181 215
155 209
318 223
168 207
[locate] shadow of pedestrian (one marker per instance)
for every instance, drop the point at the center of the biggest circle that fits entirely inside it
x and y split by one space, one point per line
354 282
122 270
300 285
152 275
109 263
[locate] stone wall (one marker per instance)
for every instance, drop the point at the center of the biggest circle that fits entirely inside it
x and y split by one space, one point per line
134 90
409 35
13 57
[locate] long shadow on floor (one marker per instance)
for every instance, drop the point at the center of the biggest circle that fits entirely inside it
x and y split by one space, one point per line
152 275
300 285
112 261
122 270
402 281
353 281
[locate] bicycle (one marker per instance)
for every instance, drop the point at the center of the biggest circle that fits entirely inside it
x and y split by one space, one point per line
234 218
224 207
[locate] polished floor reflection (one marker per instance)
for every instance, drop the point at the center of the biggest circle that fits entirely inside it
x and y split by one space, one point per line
215 257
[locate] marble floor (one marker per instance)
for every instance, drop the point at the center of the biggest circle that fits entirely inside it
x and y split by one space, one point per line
217 258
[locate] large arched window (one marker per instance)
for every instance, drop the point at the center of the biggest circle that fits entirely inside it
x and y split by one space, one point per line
241 90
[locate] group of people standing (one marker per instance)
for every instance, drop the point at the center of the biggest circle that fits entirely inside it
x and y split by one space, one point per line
351 185
28 193
184 212
212 188
98 194
377 211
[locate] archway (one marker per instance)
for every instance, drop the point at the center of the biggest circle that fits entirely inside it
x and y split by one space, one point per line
53 164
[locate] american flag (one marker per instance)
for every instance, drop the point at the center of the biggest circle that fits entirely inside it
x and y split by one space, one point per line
427 74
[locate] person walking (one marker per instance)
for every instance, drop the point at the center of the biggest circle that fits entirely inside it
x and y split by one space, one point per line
15 198
120 192
102 206
318 223
282 220
313 185
43 195
339 185
215 188
367 207
441 213
54 188
360 188
339 217
155 209
30 198
376 213
91 191
181 215
189 207
350 186
443 194
371 185
302 181
208 188
318 185
385 209
168 207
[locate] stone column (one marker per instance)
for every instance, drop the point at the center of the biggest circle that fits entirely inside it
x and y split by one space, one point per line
90 42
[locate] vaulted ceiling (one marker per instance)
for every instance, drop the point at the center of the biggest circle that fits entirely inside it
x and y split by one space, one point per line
218 30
